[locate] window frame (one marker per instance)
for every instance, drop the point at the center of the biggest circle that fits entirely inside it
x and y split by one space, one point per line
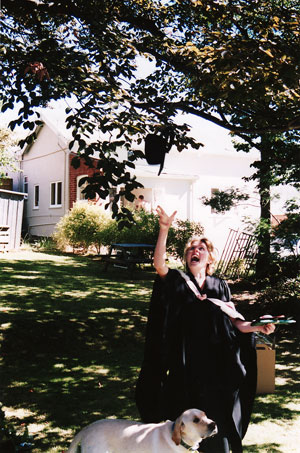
55 184
25 184
36 196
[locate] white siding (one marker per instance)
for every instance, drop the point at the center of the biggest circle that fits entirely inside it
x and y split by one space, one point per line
44 163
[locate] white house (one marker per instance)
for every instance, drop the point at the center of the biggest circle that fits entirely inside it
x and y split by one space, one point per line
52 183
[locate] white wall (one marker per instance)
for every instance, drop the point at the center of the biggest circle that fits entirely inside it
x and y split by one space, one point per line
211 168
44 163
168 191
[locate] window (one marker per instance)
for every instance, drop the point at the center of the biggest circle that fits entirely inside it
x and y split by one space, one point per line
36 199
55 194
25 184
79 189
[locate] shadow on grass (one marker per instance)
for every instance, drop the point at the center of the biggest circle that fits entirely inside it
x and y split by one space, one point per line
280 405
72 343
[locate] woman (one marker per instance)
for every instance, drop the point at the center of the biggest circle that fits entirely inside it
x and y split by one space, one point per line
199 351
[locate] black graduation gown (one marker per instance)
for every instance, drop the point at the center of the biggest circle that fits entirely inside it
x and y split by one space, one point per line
195 357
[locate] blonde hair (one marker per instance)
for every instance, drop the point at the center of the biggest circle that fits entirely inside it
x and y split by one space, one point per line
211 250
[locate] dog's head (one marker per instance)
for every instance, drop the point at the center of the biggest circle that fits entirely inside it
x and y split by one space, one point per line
192 426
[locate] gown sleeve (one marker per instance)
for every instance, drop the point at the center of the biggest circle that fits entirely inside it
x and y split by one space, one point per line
163 321
149 386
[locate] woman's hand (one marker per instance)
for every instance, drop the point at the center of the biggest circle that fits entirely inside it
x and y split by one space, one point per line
267 328
246 327
165 221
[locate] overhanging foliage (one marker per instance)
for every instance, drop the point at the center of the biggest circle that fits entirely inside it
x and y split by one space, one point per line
234 63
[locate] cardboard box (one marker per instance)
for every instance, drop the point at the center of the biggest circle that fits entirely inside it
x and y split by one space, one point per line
265 368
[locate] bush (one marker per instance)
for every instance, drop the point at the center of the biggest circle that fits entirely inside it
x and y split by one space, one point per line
146 229
282 298
88 225
180 233
287 234
143 231
84 226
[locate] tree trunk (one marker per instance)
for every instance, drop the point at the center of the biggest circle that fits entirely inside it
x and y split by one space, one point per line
264 235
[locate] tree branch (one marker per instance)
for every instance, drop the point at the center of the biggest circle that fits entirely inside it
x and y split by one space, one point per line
187 108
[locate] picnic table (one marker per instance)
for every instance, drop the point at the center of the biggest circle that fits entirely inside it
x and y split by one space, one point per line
129 255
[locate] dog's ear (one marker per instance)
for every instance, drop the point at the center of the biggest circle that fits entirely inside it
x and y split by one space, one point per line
177 431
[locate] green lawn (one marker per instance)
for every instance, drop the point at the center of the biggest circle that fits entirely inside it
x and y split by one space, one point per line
72 344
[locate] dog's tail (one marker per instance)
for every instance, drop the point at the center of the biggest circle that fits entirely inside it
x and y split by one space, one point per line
73 448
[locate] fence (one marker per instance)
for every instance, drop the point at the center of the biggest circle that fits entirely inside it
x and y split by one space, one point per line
11 214
239 255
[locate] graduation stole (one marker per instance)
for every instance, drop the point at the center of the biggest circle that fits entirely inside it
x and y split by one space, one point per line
227 307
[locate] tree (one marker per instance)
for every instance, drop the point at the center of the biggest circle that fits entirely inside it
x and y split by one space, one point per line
223 200
8 159
287 232
235 63
279 164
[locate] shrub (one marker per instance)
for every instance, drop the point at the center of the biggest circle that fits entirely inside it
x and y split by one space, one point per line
282 298
143 231
287 233
107 235
85 225
180 233
146 228
88 225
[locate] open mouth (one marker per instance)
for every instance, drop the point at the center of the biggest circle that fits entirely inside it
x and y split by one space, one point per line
211 432
214 431
195 259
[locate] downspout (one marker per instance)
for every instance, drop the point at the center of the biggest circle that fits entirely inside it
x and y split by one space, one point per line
191 203
67 180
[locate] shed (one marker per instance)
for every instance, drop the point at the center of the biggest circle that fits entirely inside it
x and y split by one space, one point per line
11 215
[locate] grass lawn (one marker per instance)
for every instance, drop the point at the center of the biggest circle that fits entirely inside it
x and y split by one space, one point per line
72 344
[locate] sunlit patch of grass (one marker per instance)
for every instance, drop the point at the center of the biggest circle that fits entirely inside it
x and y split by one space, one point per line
281 381
294 406
5 325
76 294
19 413
17 383
272 436
106 310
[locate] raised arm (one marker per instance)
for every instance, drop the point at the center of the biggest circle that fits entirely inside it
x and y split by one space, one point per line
165 222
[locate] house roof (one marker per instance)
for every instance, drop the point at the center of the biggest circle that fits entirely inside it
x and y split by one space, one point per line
151 171
55 118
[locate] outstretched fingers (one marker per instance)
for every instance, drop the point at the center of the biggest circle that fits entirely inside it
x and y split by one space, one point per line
164 219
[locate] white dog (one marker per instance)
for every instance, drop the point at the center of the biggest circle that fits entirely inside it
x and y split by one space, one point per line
125 436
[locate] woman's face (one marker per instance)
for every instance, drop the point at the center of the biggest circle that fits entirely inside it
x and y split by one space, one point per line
197 256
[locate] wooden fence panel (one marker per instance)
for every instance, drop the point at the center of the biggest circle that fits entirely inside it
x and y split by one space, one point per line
11 215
